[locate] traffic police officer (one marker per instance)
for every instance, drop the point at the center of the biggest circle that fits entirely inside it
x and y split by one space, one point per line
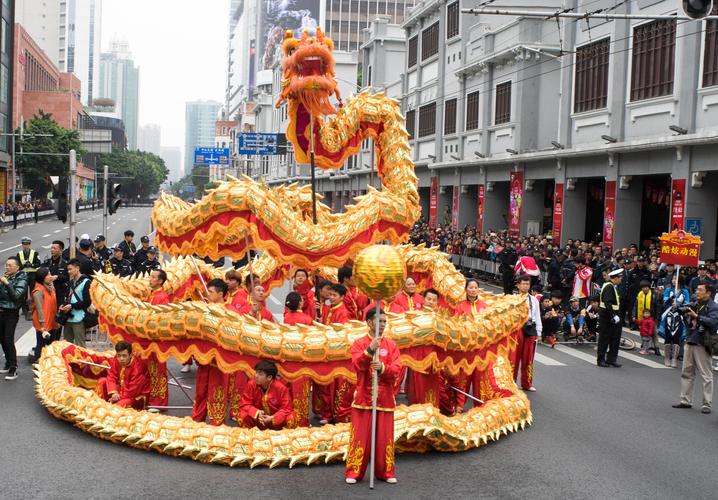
151 263
29 262
120 266
609 320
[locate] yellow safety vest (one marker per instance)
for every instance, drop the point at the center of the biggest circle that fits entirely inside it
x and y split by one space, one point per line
31 257
617 305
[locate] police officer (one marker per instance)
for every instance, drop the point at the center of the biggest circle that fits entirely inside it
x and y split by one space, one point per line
29 262
128 247
58 267
151 263
120 266
103 253
609 320
141 254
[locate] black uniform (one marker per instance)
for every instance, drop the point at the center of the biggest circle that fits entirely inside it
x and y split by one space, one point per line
88 265
121 268
58 267
128 249
148 266
609 330
29 262
104 254
507 259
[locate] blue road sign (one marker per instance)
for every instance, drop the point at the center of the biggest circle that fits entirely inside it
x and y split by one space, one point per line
211 156
251 143
189 188
694 225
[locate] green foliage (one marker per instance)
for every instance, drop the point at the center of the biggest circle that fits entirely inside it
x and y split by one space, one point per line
146 172
200 177
37 169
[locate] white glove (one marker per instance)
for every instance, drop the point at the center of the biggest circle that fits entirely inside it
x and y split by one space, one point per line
616 319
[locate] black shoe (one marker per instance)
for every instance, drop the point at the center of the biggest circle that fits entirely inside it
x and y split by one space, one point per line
12 374
706 410
682 405
658 353
603 364
614 364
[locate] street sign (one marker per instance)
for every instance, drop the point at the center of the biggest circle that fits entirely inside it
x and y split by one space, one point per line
694 225
256 143
211 156
189 188
680 248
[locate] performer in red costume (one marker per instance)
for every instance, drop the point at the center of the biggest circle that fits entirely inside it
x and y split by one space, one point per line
303 287
342 391
266 401
387 366
323 395
159 393
335 311
407 299
127 383
383 304
524 353
256 306
212 386
425 387
355 301
293 315
236 295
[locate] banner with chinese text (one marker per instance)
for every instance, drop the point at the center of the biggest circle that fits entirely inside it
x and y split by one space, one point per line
455 209
557 213
480 221
678 204
433 200
516 195
680 248
609 215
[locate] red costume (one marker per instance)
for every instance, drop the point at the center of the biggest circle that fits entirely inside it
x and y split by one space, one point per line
308 298
297 318
237 299
336 313
275 401
384 305
263 313
339 396
424 387
211 395
301 387
159 392
355 301
359 452
131 383
404 302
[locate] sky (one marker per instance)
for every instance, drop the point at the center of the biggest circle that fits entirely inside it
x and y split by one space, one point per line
180 47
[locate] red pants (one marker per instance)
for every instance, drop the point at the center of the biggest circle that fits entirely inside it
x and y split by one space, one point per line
159 394
138 403
424 388
211 395
300 400
237 383
343 398
323 401
359 453
524 356
399 381
451 401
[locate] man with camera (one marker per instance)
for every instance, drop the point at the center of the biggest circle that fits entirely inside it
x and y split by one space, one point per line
701 319
531 331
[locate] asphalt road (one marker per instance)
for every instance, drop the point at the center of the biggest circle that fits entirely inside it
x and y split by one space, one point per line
597 433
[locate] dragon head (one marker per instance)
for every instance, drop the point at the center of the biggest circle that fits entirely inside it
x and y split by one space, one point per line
308 68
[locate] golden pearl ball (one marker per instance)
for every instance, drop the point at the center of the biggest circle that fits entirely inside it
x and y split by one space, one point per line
379 271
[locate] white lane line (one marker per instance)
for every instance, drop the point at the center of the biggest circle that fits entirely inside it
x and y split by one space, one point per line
576 354
46 247
60 230
25 343
46 235
278 318
545 360
68 227
9 248
271 297
641 360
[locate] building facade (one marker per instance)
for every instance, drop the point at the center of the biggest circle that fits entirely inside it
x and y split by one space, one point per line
120 81
149 138
69 32
7 97
172 155
200 117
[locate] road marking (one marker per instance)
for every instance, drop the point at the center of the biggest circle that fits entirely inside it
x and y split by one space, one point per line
46 235
641 360
57 231
271 297
46 247
9 248
576 354
26 342
66 227
545 360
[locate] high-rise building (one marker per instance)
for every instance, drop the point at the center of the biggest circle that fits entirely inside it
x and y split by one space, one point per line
149 138
119 80
200 117
172 155
68 31
6 97
346 19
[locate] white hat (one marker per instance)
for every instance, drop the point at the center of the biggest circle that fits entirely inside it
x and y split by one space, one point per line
616 272
85 236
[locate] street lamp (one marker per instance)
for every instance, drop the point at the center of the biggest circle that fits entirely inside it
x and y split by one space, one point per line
454 157
678 130
431 157
609 139
512 151
479 155
557 145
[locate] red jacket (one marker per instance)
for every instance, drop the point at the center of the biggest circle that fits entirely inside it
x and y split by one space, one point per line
237 299
263 312
361 362
297 318
335 314
465 307
276 401
158 298
310 301
355 302
385 306
403 302
132 382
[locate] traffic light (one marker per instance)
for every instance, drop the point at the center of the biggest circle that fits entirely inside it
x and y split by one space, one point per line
59 196
113 195
697 9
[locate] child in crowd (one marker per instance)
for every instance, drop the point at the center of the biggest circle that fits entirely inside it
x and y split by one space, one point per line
591 318
575 319
551 317
646 326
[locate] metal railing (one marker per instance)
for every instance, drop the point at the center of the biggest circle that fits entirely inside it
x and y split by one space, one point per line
484 269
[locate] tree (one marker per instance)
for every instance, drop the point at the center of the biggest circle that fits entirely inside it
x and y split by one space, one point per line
200 177
36 169
145 172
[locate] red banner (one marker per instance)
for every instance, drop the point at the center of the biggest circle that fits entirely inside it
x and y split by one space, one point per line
433 200
680 248
480 221
557 213
609 218
455 209
678 204
516 198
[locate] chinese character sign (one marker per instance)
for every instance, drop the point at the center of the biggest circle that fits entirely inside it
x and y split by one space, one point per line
680 248
455 209
516 195
557 213
609 217
678 196
480 222
433 200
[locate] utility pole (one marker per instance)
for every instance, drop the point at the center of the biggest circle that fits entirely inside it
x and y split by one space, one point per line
105 177
73 196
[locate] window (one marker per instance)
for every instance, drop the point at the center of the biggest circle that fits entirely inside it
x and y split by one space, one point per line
450 117
452 20
653 60
413 50
368 76
410 118
710 58
503 103
5 84
472 111
3 128
591 76
430 41
427 120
